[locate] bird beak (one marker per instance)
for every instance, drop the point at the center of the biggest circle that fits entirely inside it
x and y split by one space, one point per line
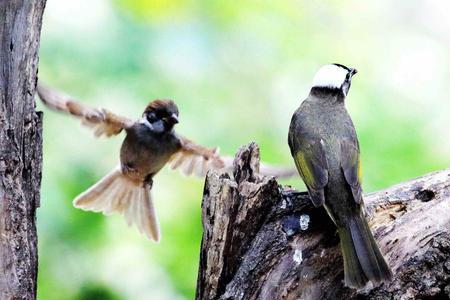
173 119
353 72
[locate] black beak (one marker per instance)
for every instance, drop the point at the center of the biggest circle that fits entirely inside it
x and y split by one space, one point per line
173 119
353 72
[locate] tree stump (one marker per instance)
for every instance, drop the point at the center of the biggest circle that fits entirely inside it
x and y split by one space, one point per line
20 147
264 241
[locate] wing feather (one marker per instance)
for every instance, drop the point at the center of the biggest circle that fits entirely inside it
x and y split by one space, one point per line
100 120
351 166
311 162
195 159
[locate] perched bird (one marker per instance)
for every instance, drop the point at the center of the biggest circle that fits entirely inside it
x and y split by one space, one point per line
149 145
325 149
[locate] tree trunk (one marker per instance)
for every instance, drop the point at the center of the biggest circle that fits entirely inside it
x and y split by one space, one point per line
263 241
20 147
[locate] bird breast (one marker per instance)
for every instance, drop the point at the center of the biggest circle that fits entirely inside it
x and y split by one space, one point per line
145 152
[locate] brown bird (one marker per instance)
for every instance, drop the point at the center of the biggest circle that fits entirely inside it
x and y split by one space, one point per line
149 145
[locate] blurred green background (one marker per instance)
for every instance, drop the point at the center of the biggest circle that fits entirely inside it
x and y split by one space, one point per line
237 71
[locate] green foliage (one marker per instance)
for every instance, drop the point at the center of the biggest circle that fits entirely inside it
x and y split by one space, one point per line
96 292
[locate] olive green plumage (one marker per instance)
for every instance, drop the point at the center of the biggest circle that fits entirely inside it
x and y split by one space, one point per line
325 149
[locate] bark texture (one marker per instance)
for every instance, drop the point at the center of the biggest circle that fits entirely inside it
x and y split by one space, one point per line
264 241
20 147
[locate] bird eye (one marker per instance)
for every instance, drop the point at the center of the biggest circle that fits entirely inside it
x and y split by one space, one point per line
151 117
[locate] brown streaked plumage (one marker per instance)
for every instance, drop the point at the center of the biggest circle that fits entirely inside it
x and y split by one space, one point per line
161 104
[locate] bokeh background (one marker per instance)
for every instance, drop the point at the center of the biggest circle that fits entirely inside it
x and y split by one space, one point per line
237 70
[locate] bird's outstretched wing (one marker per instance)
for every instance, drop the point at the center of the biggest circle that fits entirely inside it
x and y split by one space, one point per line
265 169
100 120
193 159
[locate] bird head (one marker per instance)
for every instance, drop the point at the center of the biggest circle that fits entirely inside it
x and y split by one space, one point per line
161 115
334 78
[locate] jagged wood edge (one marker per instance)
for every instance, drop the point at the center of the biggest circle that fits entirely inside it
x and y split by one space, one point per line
253 246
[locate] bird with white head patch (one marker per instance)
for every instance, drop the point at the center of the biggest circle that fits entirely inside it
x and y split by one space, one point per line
325 149
334 76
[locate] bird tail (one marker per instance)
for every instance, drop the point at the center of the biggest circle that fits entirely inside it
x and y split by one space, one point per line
363 260
116 193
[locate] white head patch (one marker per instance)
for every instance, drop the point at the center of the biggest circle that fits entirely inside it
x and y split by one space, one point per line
330 76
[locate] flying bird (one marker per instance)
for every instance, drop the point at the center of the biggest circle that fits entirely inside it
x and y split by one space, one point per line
325 148
150 143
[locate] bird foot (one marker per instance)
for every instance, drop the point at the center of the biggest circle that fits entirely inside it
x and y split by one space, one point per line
148 182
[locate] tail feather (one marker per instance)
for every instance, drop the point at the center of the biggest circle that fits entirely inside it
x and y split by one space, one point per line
143 214
363 260
115 193
95 194
369 255
354 275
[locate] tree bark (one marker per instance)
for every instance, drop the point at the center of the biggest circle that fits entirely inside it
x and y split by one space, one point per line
20 147
264 241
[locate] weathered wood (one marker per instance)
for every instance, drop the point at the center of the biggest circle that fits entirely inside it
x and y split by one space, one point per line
20 147
263 241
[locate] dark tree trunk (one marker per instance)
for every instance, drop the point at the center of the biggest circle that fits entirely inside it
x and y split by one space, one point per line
20 146
263 241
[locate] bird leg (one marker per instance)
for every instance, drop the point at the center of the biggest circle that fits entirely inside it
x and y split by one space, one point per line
148 181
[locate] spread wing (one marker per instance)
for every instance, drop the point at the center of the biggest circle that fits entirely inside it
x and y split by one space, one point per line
351 166
195 159
265 169
309 157
100 120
